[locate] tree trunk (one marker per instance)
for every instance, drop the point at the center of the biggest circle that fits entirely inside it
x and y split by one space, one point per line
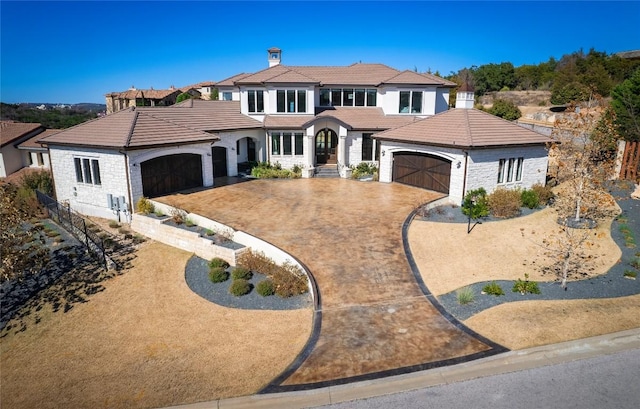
565 268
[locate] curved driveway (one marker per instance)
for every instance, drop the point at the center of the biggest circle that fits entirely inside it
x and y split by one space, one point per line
374 318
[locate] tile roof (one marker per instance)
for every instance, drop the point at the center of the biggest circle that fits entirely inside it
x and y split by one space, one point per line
355 74
207 115
230 82
32 143
464 128
362 118
143 93
128 128
12 131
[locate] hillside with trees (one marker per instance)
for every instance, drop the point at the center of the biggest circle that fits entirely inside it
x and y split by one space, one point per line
50 118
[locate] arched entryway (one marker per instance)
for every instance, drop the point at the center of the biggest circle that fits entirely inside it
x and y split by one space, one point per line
326 147
219 158
422 170
171 173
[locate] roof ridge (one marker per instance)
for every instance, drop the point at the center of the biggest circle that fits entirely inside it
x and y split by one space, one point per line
147 113
133 125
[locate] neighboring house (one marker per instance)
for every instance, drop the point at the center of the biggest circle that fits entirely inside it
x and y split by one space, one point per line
317 118
35 155
133 97
201 90
12 158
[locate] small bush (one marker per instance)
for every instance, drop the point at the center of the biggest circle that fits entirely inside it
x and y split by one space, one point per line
138 238
363 169
178 216
240 287
266 288
504 203
209 232
493 288
40 180
189 223
529 199
465 295
636 263
241 273
144 206
545 194
123 230
630 273
218 275
114 224
287 278
526 286
218 262
264 170
475 204
158 213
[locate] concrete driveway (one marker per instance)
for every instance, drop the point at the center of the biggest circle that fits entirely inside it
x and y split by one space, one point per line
374 320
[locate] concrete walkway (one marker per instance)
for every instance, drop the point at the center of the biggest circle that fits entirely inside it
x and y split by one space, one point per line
373 318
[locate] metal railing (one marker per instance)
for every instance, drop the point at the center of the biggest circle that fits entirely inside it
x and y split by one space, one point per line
74 224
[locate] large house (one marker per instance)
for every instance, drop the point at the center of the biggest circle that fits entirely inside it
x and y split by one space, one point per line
314 117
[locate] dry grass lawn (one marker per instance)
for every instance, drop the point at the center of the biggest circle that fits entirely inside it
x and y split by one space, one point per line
506 250
147 341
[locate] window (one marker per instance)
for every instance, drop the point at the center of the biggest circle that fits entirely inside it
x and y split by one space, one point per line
359 97
336 97
510 170
367 146
325 98
40 159
410 102
238 147
291 100
275 143
227 96
87 171
371 97
255 100
286 143
299 143
347 97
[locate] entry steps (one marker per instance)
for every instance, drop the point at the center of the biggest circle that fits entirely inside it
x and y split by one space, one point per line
327 171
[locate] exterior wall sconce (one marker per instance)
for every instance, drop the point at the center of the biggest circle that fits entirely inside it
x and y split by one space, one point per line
458 164
384 153
208 154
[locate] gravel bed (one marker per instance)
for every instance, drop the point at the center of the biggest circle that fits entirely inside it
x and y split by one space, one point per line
197 277
610 285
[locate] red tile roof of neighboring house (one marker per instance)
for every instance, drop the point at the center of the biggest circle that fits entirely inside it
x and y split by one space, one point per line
144 93
464 128
11 132
129 128
32 143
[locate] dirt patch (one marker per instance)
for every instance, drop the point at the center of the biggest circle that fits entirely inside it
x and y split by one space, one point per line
527 324
147 341
449 258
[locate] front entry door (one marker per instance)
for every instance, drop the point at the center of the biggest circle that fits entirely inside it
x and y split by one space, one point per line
251 150
219 156
326 147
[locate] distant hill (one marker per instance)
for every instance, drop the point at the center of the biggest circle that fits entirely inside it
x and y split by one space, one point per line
83 106
51 116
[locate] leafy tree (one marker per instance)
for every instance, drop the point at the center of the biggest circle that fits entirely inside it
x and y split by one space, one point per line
183 96
626 105
505 109
494 77
571 92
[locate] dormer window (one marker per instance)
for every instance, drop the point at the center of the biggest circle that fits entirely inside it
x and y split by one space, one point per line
410 102
291 100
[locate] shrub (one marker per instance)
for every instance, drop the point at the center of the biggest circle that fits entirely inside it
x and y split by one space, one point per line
505 110
493 289
265 170
209 232
158 213
266 288
114 224
526 286
529 199
123 230
465 295
364 169
630 273
504 203
40 180
545 194
218 275
178 216
189 223
240 287
241 273
144 206
475 204
287 278
636 263
218 262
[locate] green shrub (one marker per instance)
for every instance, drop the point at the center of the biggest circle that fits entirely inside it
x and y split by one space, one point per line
189 223
364 169
636 263
40 180
465 295
287 278
545 194
630 273
158 213
264 170
114 224
529 199
475 204
240 287
493 288
241 273
504 203
505 109
218 262
218 275
266 288
123 230
526 286
144 206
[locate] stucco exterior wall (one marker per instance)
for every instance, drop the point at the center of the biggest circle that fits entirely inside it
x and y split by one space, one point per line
11 160
391 100
89 199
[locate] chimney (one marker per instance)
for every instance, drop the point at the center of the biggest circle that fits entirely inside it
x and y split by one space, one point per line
465 97
275 55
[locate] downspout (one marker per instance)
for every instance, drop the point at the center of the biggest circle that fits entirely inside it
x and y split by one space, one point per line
464 181
126 161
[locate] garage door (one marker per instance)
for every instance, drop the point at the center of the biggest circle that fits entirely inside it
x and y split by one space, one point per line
421 170
168 174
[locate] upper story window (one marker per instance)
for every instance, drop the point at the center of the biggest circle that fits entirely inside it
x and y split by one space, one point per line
349 97
227 96
410 102
87 171
255 100
291 100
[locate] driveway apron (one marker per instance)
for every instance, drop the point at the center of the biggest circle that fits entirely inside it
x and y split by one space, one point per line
374 319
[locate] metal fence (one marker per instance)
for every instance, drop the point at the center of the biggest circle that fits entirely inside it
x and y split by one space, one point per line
74 224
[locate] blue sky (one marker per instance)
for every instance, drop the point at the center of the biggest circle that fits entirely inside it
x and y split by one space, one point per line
78 51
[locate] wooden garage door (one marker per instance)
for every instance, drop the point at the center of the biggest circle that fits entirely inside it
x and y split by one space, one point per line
427 172
168 174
